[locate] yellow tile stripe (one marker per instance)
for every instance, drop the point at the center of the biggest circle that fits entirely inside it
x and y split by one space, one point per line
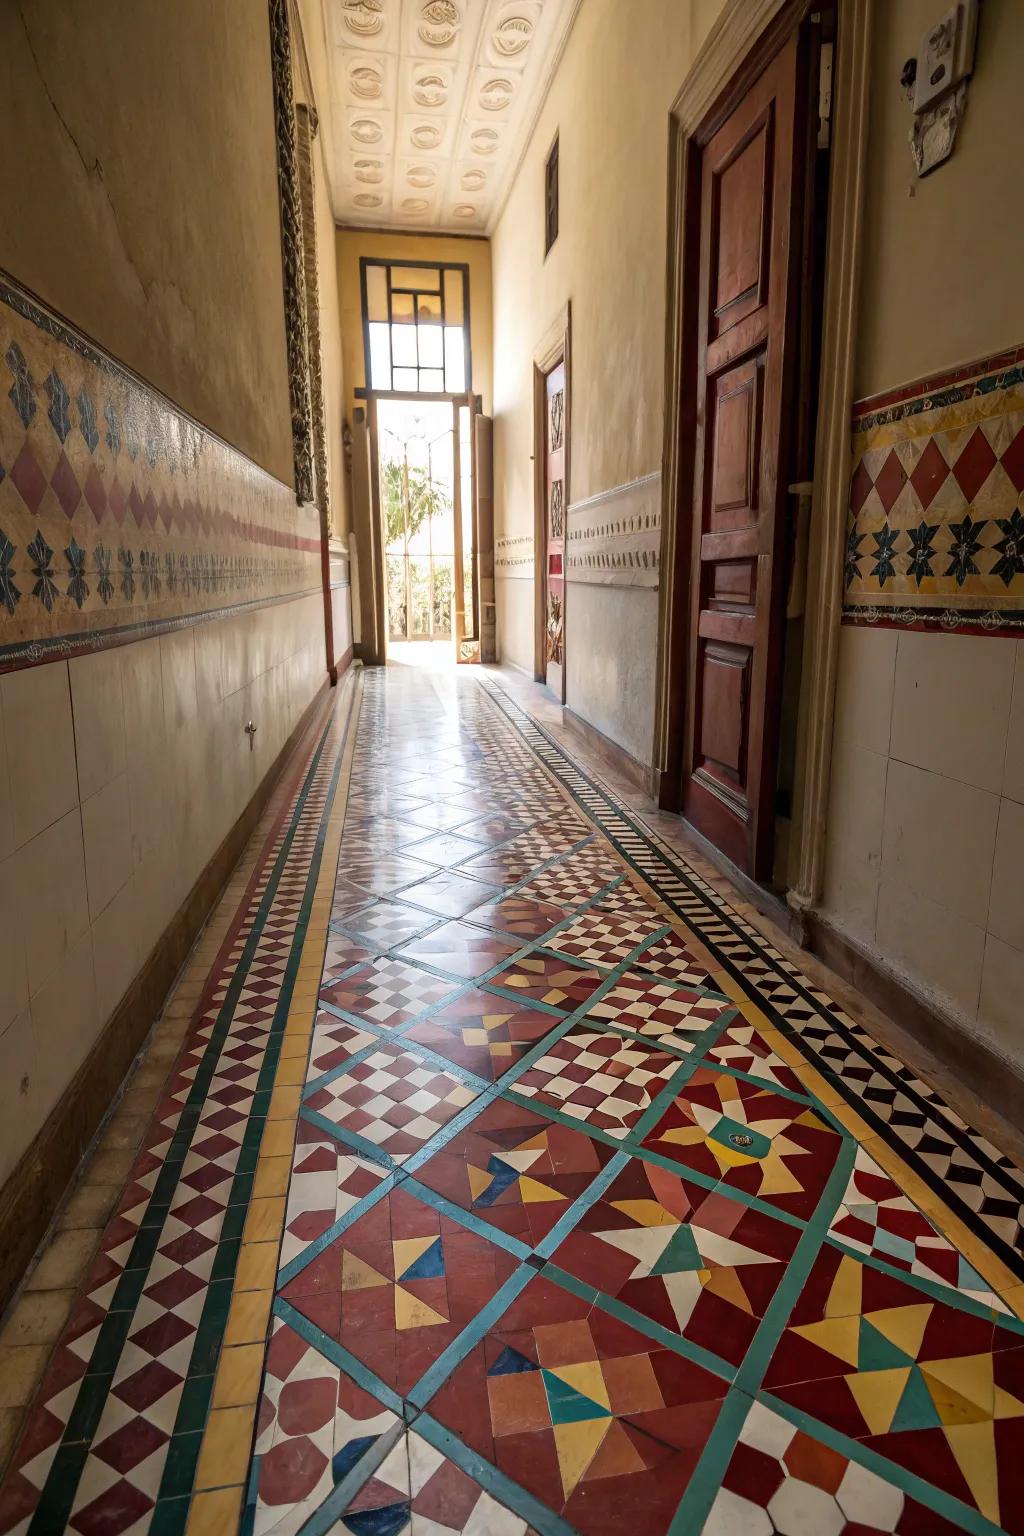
228 1437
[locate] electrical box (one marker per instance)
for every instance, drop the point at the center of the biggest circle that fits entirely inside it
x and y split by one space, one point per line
946 54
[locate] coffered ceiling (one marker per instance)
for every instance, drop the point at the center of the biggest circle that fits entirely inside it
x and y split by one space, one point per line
432 104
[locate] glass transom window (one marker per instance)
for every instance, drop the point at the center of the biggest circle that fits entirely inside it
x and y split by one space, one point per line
416 326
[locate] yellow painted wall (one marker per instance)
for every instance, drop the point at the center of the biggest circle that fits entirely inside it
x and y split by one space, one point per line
354 243
609 103
943 256
141 200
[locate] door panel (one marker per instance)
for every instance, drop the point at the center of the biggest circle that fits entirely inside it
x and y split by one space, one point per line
744 370
554 501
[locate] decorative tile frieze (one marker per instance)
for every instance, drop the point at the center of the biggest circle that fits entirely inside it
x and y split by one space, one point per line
514 557
614 539
120 516
936 525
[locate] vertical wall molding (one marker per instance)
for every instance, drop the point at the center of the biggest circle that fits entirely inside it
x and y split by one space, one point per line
830 503
293 261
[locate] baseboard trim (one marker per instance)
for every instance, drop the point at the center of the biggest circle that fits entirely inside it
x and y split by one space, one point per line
610 752
983 1071
39 1181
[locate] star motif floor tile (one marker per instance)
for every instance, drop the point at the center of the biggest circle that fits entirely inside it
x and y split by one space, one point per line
933 1388
387 992
515 1170
674 1015
461 949
544 978
691 1259
393 1099
398 1286
598 1077
750 1137
483 1032
583 1411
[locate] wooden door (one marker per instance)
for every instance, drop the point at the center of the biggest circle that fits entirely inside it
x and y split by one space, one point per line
555 509
749 186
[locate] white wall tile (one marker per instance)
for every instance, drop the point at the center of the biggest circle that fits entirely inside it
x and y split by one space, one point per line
13 975
935 949
1006 912
106 833
115 950
951 705
20 1111
64 1020
1013 772
97 699
178 664
143 699
6 808
1000 1015
864 686
40 743
50 878
939 840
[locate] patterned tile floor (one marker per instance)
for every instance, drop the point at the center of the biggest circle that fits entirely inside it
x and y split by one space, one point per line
509 1182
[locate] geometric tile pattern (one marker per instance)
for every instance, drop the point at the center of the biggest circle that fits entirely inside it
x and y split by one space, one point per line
573 1240
936 532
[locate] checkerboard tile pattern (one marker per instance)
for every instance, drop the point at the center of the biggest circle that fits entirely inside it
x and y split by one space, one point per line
535 1220
393 1099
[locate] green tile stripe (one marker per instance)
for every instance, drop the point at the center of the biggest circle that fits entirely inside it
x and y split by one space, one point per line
61 1486
179 1470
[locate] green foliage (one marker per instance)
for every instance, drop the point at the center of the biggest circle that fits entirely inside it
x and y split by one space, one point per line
425 499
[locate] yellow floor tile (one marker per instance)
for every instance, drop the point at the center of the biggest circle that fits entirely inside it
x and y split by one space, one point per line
257 1267
248 1317
238 1375
224 1458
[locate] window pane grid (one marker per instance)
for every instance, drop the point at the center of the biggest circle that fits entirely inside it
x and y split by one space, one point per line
415 323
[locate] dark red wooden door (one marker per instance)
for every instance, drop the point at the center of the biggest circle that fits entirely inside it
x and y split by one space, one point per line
749 252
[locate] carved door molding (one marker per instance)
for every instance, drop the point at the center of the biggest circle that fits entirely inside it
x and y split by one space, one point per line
551 462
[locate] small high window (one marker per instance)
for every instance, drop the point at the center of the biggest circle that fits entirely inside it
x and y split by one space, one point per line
551 198
416 326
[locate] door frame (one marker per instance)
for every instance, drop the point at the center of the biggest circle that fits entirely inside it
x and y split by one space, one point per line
554 347
746 36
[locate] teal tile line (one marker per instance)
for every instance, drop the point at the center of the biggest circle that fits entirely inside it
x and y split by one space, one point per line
468 1219
590 1196
770 1087
213 1319
338 1355
709 1181
314 1249
436 1375
326 1518
703 1039
61 1486
401 1044
249 1509
960 1515
679 1345
543 1520
509 995
703 1486
714 1459
947 1294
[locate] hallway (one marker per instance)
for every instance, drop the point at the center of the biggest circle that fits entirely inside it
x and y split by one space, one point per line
508 1181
